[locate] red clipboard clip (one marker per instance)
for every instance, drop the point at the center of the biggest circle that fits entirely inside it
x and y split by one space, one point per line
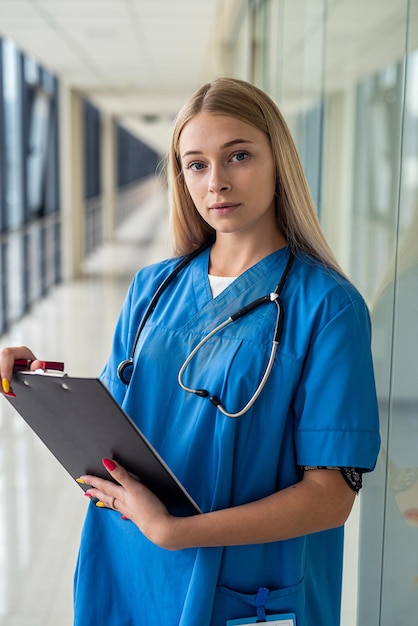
22 365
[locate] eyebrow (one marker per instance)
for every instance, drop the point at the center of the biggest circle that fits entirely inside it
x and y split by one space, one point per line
228 144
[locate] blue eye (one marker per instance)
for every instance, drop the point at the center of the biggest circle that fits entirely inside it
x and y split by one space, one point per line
240 156
195 166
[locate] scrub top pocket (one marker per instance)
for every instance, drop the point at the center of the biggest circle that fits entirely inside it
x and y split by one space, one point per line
232 604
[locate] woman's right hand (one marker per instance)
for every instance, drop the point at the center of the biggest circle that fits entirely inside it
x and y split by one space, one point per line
8 356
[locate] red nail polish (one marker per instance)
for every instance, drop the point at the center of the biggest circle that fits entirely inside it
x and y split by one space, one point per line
109 464
124 517
88 495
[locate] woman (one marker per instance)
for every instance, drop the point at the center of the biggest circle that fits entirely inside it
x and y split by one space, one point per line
276 482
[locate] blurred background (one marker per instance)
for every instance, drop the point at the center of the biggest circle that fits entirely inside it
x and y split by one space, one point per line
88 93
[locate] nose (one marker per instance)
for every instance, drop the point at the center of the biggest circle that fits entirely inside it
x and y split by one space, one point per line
218 181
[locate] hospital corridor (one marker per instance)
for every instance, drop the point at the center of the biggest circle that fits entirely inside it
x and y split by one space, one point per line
89 91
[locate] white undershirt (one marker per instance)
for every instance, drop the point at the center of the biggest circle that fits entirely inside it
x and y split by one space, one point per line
219 283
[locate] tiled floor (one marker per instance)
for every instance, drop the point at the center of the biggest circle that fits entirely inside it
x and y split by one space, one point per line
41 509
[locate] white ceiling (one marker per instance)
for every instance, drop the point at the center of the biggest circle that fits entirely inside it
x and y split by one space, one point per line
133 58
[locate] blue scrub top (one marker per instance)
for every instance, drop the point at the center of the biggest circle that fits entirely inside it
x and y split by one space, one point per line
318 408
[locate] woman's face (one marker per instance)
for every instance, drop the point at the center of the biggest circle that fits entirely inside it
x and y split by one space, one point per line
229 172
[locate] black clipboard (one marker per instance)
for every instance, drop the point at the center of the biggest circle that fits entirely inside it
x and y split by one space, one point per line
81 423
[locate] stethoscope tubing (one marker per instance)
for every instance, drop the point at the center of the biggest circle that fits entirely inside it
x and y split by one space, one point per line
272 297
125 368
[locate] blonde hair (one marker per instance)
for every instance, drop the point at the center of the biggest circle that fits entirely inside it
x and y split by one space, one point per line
296 215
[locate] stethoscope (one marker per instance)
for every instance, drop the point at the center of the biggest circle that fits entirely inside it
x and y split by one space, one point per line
125 368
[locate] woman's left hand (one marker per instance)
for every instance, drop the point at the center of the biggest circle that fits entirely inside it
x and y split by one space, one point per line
133 500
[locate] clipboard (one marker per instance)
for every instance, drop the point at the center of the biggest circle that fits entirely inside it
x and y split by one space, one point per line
81 423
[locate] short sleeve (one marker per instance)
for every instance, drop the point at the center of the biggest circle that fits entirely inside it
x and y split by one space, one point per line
336 415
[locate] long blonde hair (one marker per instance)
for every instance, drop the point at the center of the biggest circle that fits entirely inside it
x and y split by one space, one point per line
295 212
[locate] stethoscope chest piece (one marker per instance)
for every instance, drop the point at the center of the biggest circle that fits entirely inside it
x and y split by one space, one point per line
125 369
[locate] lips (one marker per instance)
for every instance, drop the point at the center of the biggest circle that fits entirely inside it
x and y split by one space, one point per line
224 206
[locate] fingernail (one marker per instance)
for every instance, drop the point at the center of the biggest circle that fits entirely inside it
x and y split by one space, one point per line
88 495
80 481
7 390
124 517
100 504
109 465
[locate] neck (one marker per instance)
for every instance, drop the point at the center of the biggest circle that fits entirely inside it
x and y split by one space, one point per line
232 256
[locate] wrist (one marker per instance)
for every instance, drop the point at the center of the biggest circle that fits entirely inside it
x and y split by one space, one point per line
167 532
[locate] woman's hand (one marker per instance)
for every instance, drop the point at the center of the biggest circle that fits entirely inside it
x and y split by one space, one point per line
7 358
134 501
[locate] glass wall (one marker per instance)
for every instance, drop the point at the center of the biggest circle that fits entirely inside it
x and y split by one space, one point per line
136 162
390 515
135 159
92 177
345 75
29 184
30 213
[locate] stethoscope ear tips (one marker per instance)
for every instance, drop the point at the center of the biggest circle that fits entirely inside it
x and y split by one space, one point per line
125 370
